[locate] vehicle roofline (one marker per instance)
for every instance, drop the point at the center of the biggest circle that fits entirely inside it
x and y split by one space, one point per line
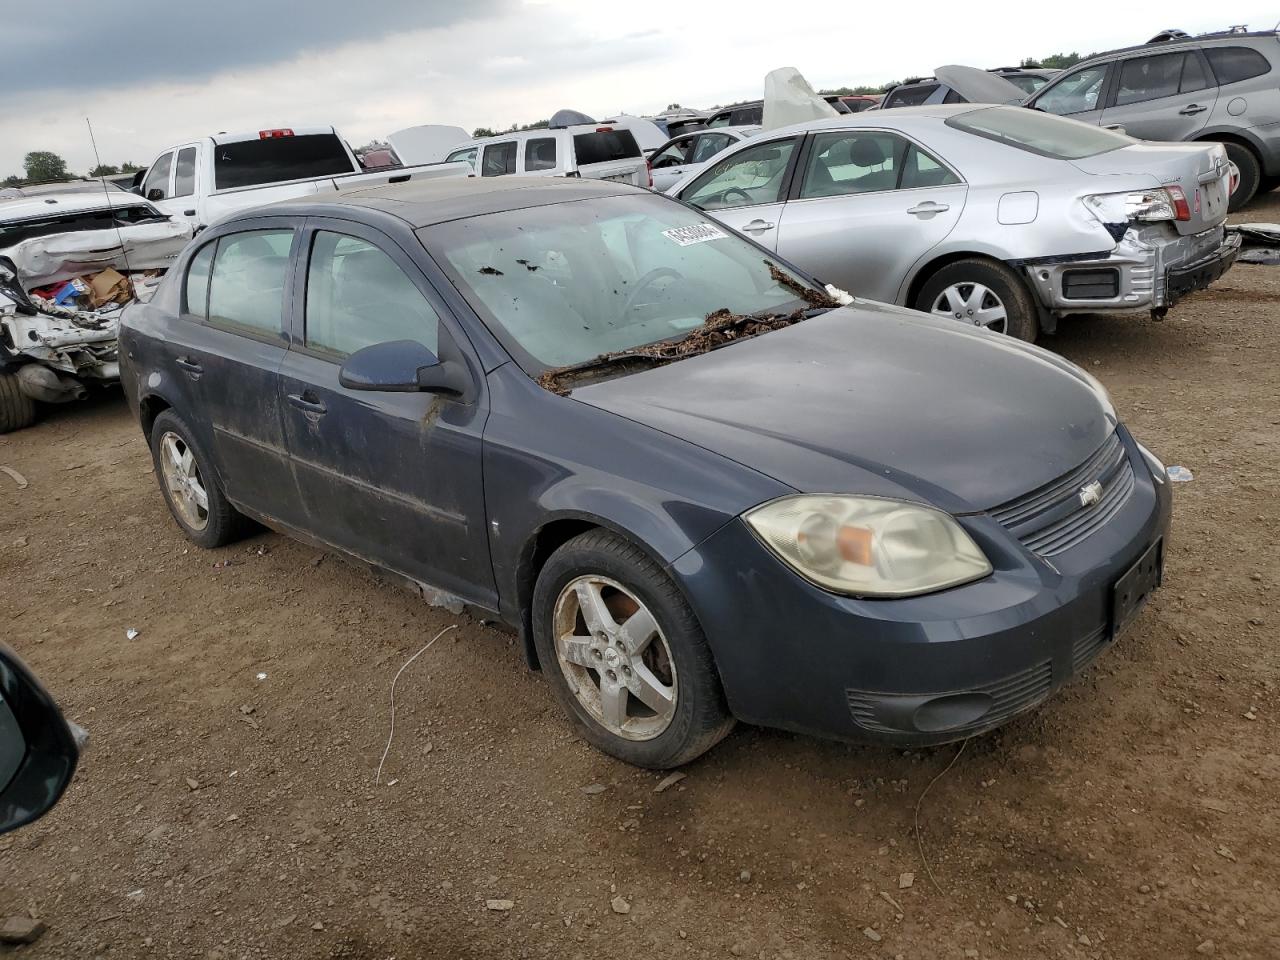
1180 43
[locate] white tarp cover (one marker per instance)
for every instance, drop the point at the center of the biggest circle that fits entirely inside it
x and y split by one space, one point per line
788 99
61 256
428 143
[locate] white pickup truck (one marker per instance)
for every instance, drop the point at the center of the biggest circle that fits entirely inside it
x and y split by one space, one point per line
209 179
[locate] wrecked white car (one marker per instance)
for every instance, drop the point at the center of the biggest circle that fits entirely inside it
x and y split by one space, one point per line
69 261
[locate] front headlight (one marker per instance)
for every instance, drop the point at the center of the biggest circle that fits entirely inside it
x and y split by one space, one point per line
868 546
1158 469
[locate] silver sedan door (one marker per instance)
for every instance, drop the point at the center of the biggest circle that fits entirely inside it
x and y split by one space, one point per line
869 205
746 189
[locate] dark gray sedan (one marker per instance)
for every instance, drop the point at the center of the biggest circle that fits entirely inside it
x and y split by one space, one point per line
699 484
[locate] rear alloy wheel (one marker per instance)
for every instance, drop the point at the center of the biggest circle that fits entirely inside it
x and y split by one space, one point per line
190 486
1250 175
625 655
981 293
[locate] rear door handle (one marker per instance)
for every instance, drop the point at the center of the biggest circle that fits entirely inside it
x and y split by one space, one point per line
758 226
928 209
308 402
1192 109
189 365
188 213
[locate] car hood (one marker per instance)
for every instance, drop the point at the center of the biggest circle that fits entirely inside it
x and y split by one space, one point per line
979 86
877 400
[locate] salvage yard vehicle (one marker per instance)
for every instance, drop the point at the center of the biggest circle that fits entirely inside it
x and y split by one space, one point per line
995 216
52 234
680 155
573 146
205 180
700 484
39 749
1018 83
1222 87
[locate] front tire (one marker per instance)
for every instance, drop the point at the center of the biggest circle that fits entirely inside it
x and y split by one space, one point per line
1250 175
982 293
17 410
190 485
625 654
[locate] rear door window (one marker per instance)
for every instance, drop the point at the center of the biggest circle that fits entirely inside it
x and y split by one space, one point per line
1077 92
184 177
246 286
751 176
1151 78
358 296
156 186
604 146
499 159
278 159
1233 64
909 96
540 153
852 162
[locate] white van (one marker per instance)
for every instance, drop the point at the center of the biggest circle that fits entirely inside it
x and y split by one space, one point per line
597 151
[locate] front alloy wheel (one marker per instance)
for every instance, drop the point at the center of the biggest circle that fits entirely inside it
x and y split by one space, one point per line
615 658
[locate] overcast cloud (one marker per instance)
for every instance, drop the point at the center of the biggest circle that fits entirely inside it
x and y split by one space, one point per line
150 74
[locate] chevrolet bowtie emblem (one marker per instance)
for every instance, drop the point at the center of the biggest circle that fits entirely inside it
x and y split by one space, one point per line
1091 494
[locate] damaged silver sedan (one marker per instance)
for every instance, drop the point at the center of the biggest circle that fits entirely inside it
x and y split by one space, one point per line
70 259
994 216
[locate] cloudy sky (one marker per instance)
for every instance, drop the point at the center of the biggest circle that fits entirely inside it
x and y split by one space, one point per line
150 73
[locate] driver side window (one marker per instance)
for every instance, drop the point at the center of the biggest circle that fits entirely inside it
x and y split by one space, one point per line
1077 93
674 155
752 176
156 186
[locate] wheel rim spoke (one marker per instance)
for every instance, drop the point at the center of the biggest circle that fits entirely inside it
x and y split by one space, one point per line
577 650
651 691
594 613
613 704
638 631
955 302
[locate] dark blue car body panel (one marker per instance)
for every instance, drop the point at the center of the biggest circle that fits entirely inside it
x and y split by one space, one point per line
461 497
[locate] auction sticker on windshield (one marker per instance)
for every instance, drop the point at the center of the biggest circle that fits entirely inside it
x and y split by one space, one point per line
698 233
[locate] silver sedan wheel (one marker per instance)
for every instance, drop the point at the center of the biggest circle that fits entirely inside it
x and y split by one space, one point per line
615 658
972 303
183 481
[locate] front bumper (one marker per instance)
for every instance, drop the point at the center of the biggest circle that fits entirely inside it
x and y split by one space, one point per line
1150 269
921 670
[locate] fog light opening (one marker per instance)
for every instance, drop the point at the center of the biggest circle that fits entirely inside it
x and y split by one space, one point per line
952 712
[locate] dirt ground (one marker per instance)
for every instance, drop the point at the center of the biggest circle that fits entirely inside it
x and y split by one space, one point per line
226 807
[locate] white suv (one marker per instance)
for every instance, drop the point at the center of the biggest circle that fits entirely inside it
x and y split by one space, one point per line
597 151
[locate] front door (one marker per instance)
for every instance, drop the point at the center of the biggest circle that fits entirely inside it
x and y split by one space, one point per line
745 190
869 205
392 478
1079 95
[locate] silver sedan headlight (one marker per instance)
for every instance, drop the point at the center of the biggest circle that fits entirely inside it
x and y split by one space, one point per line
869 546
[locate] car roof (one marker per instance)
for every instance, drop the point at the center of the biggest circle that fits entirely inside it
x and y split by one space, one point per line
421 203
1159 46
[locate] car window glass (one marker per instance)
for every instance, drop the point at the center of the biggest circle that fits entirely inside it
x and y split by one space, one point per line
1024 83
1149 78
709 144
499 159
158 178
673 155
246 288
184 183
197 286
852 162
540 153
910 96
747 116
753 175
921 170
1075 93
1039 133
1194 76
719 120
468 155
358 296
605 145
1233 64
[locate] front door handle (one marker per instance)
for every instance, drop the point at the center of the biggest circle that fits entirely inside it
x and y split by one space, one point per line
758 226
192 367
308 403
188 213
1192 109
928 209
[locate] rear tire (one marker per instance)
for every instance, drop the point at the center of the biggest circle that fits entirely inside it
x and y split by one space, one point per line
1267 184
1250 175
980 291
585 657
17 410
201 511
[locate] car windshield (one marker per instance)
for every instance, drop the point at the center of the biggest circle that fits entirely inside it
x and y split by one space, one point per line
566 283
1040 133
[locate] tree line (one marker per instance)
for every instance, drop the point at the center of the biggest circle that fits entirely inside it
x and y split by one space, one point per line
40 166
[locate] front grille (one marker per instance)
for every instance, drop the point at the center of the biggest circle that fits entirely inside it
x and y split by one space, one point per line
1054 519
1010 695
1084 650
1081 284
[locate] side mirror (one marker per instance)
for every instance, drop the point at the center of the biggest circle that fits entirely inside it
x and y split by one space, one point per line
403 366
38 748
155 193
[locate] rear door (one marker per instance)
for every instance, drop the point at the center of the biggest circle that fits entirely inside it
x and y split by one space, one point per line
746 190
393 478
228 353
1168 96
866 206
540 157
498 159
1079 94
